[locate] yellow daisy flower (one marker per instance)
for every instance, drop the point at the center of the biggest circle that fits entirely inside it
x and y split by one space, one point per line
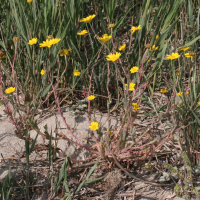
91 97
10 90
135 28
46 43
29 1
154 48
135 106
157 37
180 94
163 90
88 19
190 54
109 132
122 48
173 56
42 72
83 32
104 38
33 41
76 73
55 40
131 87
94 126
183 48
113 57
134 69
198 102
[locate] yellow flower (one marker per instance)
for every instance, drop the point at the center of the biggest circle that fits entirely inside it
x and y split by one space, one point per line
173 56
46 43
187 92
131 86
29 1
157 37
163 90
94 126
83 32
109 132
55 40
91 97
191 54
10 90
154 48
113 57
135 28
42 72
177 73
76 73
180 94
122 48
198 102
104 38
88 19
135 106
134 69
149 60
33 41
64 52
183 48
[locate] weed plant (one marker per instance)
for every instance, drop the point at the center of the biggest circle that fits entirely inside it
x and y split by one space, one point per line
119 55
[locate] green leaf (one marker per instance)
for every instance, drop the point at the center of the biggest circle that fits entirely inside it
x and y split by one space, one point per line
46 90
192 42
87 177
198 120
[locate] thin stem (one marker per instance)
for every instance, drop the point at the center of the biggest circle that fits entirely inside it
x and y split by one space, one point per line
61 113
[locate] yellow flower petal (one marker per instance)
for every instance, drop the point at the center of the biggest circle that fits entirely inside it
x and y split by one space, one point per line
33 41
104 38
76 73
183 48
134 69
91 97
163 90
135 106
88 19
113 57
42 72
122 48
83 32
46 43
10 90
173 56
180 94
135 28
94 126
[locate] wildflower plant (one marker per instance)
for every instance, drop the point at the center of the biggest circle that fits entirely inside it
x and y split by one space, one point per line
51 64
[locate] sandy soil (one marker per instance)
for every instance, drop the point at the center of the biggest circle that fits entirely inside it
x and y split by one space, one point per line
11 146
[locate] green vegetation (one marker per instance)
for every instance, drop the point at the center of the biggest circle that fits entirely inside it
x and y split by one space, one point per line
119 54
